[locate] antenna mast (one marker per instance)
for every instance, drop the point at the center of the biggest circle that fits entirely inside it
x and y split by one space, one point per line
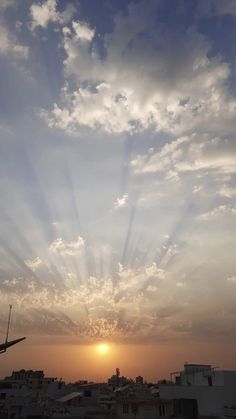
8 324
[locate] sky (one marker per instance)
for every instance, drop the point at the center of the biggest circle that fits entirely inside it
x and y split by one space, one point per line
117 184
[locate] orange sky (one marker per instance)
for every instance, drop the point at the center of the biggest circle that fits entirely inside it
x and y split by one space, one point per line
74 362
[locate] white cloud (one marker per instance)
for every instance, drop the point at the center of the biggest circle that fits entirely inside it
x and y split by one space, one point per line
45 12
33 264
121 202
162 160
60 247
137 84
82 31
221 210
137 285
154 271
189 154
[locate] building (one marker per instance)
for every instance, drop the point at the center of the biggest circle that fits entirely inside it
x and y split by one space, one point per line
202 389
141 403
116 380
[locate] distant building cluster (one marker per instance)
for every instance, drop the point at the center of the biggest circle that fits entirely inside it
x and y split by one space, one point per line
197 391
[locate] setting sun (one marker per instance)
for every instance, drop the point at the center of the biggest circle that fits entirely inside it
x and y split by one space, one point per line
103 348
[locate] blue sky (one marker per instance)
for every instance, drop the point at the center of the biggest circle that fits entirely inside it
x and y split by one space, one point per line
117 159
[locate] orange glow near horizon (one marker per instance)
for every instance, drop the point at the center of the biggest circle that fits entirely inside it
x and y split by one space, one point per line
86 362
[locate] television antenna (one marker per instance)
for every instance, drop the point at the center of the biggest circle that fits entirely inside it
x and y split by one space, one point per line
4 346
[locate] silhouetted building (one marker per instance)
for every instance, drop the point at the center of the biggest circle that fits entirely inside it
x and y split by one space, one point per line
117 381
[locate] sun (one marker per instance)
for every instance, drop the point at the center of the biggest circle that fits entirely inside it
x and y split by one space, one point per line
103 348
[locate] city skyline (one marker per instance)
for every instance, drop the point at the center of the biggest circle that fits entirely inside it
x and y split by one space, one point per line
117 183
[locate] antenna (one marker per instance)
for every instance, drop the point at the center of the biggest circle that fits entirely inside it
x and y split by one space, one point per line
4 346
8 324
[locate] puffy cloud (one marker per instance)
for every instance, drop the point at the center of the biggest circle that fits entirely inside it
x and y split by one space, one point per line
61 247
103 301
121 202
154 271
33 264
83 32
135 305
142 82
45 12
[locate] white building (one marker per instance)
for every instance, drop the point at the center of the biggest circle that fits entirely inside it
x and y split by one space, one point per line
212 389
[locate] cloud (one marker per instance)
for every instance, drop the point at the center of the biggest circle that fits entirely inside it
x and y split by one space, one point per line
60 247
45 12
139 76
34 264
154 271
135 305
150 81
221 210
83 33
9 44
121 202
107 309
162 160
8 41
189 154
46 322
